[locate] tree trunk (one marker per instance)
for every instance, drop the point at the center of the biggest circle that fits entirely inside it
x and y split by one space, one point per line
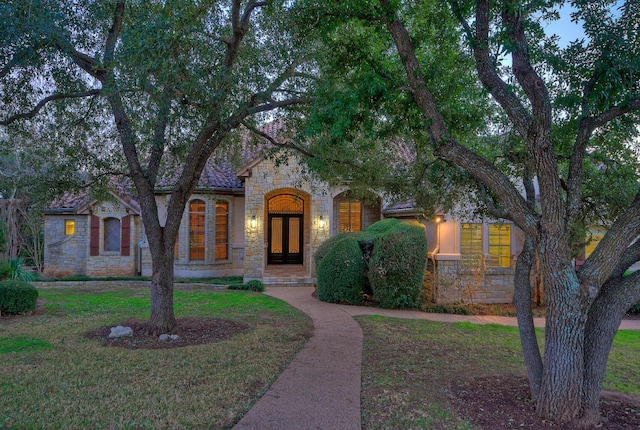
162 316
523 302
605 316
562 379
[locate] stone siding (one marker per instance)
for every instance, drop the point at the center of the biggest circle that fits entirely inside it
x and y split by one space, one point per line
456 284
63 253
209 267
264 178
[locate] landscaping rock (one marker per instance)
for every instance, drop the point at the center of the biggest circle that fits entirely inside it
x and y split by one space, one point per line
120 331
167 337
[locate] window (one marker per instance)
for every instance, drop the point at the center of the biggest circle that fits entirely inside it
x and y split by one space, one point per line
594 237
471 241
349 215
69 227
222 230
111 234
196 229
500 245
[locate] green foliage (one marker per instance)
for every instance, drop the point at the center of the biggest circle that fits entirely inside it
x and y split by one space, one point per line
383 226
15 268
253 285
327 245
17 297
342 273
397 266
635 309
448 309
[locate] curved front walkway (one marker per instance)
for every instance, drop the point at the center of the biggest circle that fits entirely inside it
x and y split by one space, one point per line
321 387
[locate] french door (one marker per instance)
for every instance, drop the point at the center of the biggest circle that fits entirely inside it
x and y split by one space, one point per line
285 239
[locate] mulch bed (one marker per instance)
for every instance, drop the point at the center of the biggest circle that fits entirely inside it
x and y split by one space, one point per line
504 402
191 331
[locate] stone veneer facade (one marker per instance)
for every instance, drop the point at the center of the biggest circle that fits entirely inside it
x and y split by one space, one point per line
264 179
209 267
71 253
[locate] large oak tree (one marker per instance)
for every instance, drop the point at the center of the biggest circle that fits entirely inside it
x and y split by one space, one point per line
573 112
163 78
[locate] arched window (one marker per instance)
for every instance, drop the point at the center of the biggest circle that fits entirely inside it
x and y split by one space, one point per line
111 240
349 215
196 229
222 230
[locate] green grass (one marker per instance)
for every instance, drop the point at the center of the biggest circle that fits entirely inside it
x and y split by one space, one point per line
409 365
52 377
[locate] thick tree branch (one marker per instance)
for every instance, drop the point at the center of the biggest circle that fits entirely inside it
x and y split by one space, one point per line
496 181
159 136
274 104
114 33
489 77
604 260
42 103
436 127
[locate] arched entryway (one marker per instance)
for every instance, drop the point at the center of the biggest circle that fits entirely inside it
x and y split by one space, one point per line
286 227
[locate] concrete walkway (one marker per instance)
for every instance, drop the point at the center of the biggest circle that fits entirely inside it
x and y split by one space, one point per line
321 387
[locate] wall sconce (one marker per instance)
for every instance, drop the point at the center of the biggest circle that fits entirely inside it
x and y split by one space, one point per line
438 219
321 222
254 222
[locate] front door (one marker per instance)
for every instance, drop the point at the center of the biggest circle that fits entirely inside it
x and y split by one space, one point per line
285 239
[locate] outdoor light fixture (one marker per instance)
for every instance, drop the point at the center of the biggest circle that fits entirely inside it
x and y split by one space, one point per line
321 222
254 222
438 219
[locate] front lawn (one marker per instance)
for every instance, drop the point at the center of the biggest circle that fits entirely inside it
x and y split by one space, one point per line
52 376
418 374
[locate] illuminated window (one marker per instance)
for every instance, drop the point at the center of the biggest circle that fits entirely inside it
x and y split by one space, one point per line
69 227
471 241
594 236
222 230
196 229
500 245
111 234
349 215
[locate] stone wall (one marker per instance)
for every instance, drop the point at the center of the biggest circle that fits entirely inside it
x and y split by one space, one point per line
112 263
455 283
66 254
209 267
265 177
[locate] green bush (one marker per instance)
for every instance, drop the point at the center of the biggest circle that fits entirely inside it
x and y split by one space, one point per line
635 309
342 273
253 285
17 297
327 245
397 266
383 226
15 268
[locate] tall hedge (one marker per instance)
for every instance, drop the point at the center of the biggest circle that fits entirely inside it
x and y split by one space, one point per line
397 264
342 272
17 297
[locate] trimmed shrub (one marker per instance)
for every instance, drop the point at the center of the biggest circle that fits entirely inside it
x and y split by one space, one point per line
397 266
383 226
342 273
327 245
253 285
17 297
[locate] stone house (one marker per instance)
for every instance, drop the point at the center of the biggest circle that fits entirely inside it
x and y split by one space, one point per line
265 221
